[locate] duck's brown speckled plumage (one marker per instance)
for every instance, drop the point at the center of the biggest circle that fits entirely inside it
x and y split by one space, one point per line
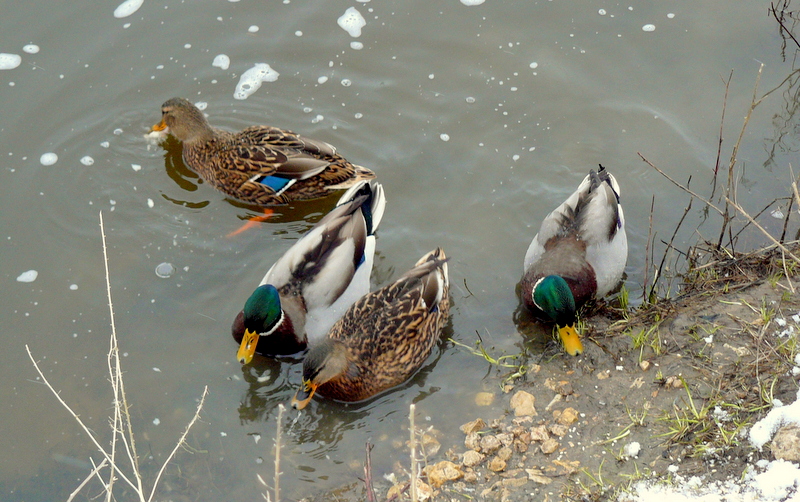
387 335
232 162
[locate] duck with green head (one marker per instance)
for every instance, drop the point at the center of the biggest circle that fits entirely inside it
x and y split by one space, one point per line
382 339
315 281
260 165
578 254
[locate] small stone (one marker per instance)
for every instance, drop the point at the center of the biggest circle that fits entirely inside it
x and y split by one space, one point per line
568 416
520 446
496 423
549 446
786 443
476 425
490 444
645 365
443 472
473 441
523 404
539 433
496 464
537 476
517 430
505 453
604 374
484 399
558 429
472 458
506 438
563 387
515 482
471 477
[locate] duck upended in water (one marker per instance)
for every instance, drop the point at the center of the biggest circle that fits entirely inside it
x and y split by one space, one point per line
382 339
578 254
259 165
315 281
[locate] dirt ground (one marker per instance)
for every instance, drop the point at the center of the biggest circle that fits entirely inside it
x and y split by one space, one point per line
664 388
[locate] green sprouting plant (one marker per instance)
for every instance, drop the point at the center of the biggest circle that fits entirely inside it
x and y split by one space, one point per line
513 361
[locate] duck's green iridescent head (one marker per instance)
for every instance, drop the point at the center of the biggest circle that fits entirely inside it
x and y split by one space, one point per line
553 297
262 316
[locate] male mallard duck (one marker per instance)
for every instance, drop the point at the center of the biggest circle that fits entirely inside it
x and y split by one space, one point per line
315 281
382 339
578 254
259 165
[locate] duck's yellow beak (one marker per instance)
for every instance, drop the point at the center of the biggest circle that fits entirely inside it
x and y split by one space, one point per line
248 347
570 339
304 395
159 127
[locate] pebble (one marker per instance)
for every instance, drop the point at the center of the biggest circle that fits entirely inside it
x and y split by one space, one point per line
523 404
567 417
549 446
474 426
786 443
472 458
505 453
490 444
497 464
484 399
473 441
443 472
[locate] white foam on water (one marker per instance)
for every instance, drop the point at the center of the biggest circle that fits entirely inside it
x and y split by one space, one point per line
470 3
251 80
346 82
357 46
649 27
9 61
73 287
298 33
444 137
136 167
31 49
87 161
127 8
28 276
48 159
150 203
253 29
352 21
221 61
322 79
602 12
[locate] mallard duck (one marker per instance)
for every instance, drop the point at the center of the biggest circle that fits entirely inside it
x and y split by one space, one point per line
315 281
259 165
578 254
382 339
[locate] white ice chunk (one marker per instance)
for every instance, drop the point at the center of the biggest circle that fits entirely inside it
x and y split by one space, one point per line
251 80
222 61
9 61
127 8
352 21
48 159
28 276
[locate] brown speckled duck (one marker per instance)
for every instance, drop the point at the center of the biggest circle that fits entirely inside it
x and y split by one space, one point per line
260 165
382 339
578 254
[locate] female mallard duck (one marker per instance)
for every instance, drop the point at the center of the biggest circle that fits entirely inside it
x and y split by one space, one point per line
315 281
578 254
382 339
260 165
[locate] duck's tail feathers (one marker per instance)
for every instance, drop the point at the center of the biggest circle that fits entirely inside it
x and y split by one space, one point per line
373 206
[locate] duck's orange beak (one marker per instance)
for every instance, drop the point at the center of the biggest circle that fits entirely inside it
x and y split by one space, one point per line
159 127
570 339
304 394
248 347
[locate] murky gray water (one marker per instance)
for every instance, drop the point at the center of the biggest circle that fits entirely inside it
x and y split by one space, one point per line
478 120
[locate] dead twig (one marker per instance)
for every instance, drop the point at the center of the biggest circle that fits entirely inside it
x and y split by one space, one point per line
368 475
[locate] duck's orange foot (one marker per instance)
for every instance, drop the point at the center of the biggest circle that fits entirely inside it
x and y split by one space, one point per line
252 222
